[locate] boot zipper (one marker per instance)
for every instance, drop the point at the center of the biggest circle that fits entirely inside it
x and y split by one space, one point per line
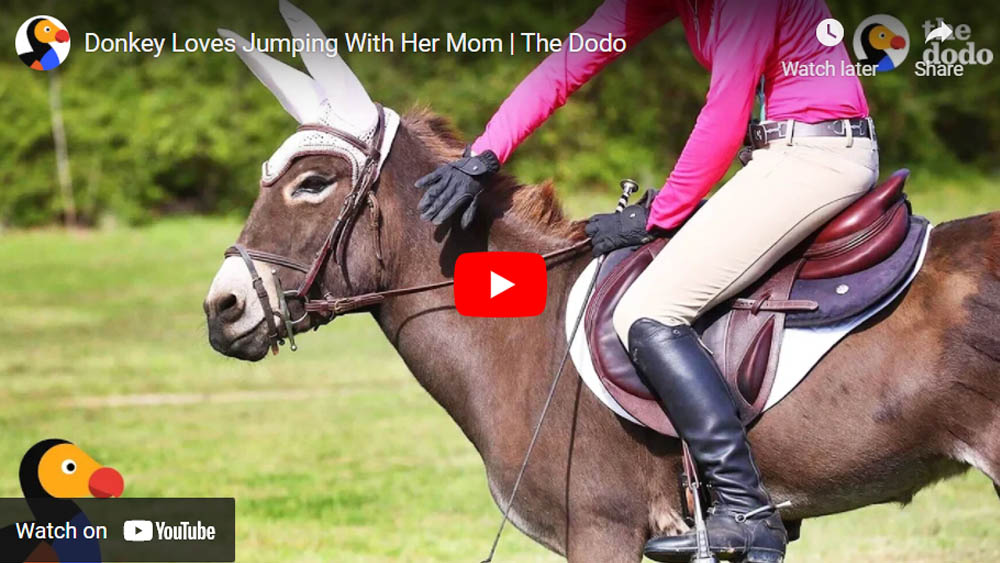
704 346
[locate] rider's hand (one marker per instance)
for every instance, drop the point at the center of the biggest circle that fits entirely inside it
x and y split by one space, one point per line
611 231
456 185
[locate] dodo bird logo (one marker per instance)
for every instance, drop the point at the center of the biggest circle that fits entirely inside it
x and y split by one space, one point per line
881 41
57 469
42 42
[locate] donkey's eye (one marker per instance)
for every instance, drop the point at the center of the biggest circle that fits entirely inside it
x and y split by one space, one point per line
312 185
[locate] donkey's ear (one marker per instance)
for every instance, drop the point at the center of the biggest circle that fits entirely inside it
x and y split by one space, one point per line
348 98
296 90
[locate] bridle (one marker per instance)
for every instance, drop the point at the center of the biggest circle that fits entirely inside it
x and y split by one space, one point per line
362 195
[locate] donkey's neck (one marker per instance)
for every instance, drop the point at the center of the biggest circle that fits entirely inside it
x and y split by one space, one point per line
486 372
491 375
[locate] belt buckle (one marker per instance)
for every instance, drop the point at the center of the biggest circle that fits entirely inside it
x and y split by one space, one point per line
758 135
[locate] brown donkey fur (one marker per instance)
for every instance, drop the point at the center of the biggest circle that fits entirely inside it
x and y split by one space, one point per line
911 397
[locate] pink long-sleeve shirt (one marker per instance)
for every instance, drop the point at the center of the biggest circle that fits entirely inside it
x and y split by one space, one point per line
738 41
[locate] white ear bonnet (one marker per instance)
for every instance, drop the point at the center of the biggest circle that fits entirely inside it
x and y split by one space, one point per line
332 97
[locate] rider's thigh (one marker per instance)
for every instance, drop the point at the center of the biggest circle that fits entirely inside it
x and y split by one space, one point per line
764 211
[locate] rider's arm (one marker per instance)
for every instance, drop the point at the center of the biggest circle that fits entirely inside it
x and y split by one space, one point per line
562 73
744 39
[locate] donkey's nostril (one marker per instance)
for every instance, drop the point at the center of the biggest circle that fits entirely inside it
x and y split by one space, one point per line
227 302
228 307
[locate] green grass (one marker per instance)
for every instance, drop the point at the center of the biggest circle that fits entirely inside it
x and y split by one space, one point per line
333 453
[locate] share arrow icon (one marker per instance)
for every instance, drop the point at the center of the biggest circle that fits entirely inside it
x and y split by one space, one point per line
942 32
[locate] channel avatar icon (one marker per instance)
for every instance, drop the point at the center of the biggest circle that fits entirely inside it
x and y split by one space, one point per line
57 469
881 41
42 42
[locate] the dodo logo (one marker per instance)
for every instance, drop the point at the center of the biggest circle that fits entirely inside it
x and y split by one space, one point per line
881 41
42 42
61 531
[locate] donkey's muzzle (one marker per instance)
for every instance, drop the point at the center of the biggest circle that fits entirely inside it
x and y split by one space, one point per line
251 345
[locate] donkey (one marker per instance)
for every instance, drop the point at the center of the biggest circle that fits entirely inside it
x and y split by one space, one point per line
909 398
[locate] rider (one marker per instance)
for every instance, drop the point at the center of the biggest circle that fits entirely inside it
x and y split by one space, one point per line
815 156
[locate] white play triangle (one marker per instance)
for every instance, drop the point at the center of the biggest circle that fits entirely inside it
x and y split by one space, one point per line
498 284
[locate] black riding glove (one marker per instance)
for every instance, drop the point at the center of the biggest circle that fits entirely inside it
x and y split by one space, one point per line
456 185
611 231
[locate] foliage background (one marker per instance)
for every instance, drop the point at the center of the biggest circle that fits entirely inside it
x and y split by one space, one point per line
186 132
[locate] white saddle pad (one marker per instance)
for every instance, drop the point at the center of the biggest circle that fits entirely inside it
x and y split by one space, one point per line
801 349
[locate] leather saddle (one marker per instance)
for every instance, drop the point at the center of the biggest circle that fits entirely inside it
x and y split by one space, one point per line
851 263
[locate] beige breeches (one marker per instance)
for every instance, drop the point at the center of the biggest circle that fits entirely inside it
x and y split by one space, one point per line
782 196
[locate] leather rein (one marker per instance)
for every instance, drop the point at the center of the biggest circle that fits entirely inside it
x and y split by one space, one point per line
362 195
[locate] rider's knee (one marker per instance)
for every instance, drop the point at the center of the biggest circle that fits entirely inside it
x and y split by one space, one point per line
628 310
634 306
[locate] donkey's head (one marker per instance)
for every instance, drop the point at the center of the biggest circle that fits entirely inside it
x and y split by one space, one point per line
315 190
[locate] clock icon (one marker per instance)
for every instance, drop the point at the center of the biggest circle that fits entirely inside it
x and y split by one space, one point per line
830 32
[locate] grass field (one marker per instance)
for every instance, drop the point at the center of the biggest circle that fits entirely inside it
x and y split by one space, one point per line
333 453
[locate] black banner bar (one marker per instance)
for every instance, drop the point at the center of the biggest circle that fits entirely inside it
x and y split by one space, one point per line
122 529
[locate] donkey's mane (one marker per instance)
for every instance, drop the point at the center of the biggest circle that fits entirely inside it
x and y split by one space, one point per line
534 205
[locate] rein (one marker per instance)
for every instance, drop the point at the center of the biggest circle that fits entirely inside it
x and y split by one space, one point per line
329 307
344 305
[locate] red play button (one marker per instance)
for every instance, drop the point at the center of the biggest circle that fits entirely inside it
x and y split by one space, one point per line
500 284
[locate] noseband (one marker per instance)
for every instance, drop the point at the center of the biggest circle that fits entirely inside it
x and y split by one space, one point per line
329 307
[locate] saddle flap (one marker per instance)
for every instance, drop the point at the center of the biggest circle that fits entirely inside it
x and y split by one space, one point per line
610 358
746 342
752 339
616 364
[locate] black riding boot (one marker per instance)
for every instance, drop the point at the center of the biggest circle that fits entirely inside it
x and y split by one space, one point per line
742 521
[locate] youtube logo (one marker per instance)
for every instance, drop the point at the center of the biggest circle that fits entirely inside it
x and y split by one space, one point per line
500 284
137 530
